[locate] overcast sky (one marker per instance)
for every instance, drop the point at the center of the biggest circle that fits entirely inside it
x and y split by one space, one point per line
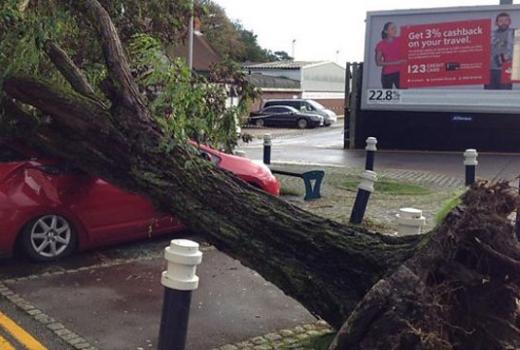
320 27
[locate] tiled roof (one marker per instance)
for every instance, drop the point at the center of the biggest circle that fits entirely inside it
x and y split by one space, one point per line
204 56
266 81
282 65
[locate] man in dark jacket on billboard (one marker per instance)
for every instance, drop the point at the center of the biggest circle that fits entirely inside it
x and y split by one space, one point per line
501 53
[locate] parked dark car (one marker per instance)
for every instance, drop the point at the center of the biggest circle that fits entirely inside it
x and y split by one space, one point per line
285 116
305 106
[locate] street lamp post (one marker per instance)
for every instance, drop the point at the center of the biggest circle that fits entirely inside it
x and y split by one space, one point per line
190 40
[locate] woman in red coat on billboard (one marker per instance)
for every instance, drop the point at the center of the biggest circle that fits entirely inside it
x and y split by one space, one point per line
388 56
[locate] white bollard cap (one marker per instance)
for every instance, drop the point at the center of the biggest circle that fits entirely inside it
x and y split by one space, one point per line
368 177
267 139
182 256
470 157
371 144
410 221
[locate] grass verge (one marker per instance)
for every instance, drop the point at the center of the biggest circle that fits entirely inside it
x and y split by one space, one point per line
388 186
320 342
289 191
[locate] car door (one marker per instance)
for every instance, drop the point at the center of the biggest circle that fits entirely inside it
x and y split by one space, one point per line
272 116
111 214
287 116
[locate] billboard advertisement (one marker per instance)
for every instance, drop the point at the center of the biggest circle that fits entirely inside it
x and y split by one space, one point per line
464 59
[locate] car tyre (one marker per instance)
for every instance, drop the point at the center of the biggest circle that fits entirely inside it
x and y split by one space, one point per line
259 123
48 238
302 123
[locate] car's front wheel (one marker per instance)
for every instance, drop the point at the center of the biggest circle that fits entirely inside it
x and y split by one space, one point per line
48 238
259 123
302 123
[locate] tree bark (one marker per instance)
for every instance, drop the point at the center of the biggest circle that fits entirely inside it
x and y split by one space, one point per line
337 272
68 69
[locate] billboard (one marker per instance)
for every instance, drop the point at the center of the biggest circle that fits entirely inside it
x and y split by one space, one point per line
462 59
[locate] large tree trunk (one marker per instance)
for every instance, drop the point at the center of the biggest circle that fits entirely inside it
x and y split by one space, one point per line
301 253
337 272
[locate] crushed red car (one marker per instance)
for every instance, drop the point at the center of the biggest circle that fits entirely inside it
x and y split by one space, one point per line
50 210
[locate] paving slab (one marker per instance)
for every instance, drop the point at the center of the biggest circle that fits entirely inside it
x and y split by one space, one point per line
118 307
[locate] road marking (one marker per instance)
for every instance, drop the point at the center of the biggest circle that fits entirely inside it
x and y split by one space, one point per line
19 334
5 345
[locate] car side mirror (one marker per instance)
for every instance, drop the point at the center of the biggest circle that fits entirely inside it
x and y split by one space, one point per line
205 156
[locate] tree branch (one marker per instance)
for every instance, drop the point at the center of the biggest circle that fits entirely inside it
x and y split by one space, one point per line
72 110
128 94
69 70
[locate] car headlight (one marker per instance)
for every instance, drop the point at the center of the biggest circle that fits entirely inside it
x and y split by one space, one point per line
262 165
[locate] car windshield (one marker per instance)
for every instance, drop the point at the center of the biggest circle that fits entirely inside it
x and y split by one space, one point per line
316 105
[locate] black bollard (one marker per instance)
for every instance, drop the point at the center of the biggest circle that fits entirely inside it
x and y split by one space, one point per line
517 227
179 281
267 149
470 163
174 320
365 188
371 149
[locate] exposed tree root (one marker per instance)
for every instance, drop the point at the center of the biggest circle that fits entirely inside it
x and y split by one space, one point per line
458 292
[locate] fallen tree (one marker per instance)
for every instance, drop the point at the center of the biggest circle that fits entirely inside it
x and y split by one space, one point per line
454 288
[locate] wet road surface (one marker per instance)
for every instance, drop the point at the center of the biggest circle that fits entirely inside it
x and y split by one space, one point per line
325 146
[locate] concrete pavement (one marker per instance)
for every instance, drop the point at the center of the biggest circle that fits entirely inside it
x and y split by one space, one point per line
325 146
114 300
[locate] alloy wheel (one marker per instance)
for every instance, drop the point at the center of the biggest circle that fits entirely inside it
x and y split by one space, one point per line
50 236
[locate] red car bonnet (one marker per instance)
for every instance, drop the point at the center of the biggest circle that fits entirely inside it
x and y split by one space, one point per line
8 168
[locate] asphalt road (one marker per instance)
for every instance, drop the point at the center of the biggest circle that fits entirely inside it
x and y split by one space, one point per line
325 146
